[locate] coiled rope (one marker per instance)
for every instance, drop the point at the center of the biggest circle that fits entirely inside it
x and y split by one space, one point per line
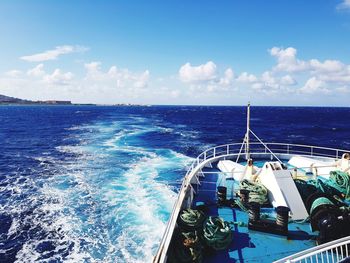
321 201
217 233
257 192
187 249
324 187
190 219
341 181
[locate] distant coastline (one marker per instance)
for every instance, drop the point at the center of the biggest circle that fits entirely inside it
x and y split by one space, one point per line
7 100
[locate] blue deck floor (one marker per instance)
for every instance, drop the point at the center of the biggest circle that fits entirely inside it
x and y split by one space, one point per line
248 245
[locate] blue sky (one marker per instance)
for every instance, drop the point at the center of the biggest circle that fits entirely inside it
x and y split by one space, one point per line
177 52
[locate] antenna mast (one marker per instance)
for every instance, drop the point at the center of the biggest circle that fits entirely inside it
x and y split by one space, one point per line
247 149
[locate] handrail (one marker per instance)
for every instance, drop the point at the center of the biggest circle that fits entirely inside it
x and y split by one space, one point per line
288 150
227 150
323 253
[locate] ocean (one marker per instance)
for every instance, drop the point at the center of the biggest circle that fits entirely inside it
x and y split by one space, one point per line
97 183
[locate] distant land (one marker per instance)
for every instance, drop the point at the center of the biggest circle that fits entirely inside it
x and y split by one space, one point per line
11 100
7 100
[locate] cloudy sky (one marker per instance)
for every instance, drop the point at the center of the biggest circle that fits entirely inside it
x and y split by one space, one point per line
270 52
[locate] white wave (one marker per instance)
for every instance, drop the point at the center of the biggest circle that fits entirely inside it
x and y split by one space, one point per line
144 201
95 209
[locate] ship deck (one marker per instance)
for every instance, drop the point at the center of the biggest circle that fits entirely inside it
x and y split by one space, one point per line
247 245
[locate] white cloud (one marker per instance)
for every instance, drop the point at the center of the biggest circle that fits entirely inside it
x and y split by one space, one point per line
175 93
269 83
228 77
142 80
324 77
288 81
116 77
58 77
316 77
204 72
13 73
344 5
331 71
287 60
114 85
54 53
258 86
341 78
326 66
37 71
343 89
269 80
206 78
245 77
93 66
93 70
205 83
314 85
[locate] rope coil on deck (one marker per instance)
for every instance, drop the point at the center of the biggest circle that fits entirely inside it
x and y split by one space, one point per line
257 192
217 233
321 201
196 232
341 181
190 219
187 248
324 187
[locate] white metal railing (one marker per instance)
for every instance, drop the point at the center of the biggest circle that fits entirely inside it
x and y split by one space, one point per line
258 148
334 251
232 150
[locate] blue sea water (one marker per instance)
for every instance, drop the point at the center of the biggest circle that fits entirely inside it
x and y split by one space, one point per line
97 184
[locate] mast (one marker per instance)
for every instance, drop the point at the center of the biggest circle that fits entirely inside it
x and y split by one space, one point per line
247 134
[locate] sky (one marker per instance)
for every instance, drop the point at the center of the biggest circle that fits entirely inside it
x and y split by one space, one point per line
187 52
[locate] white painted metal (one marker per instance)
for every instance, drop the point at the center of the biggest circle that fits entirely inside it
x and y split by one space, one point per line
247 134
311 165
333 251
344 163
231 169
282 190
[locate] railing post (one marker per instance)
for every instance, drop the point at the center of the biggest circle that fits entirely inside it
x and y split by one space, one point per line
227 149
287 148
214 152
205 155
312 150
337 154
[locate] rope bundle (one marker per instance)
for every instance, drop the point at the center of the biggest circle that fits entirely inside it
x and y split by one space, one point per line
190 219
217 233
321 201
326 187
341 181
257 192
187 248
195 232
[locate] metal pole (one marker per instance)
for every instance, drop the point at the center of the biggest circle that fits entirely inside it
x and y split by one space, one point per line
247 134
